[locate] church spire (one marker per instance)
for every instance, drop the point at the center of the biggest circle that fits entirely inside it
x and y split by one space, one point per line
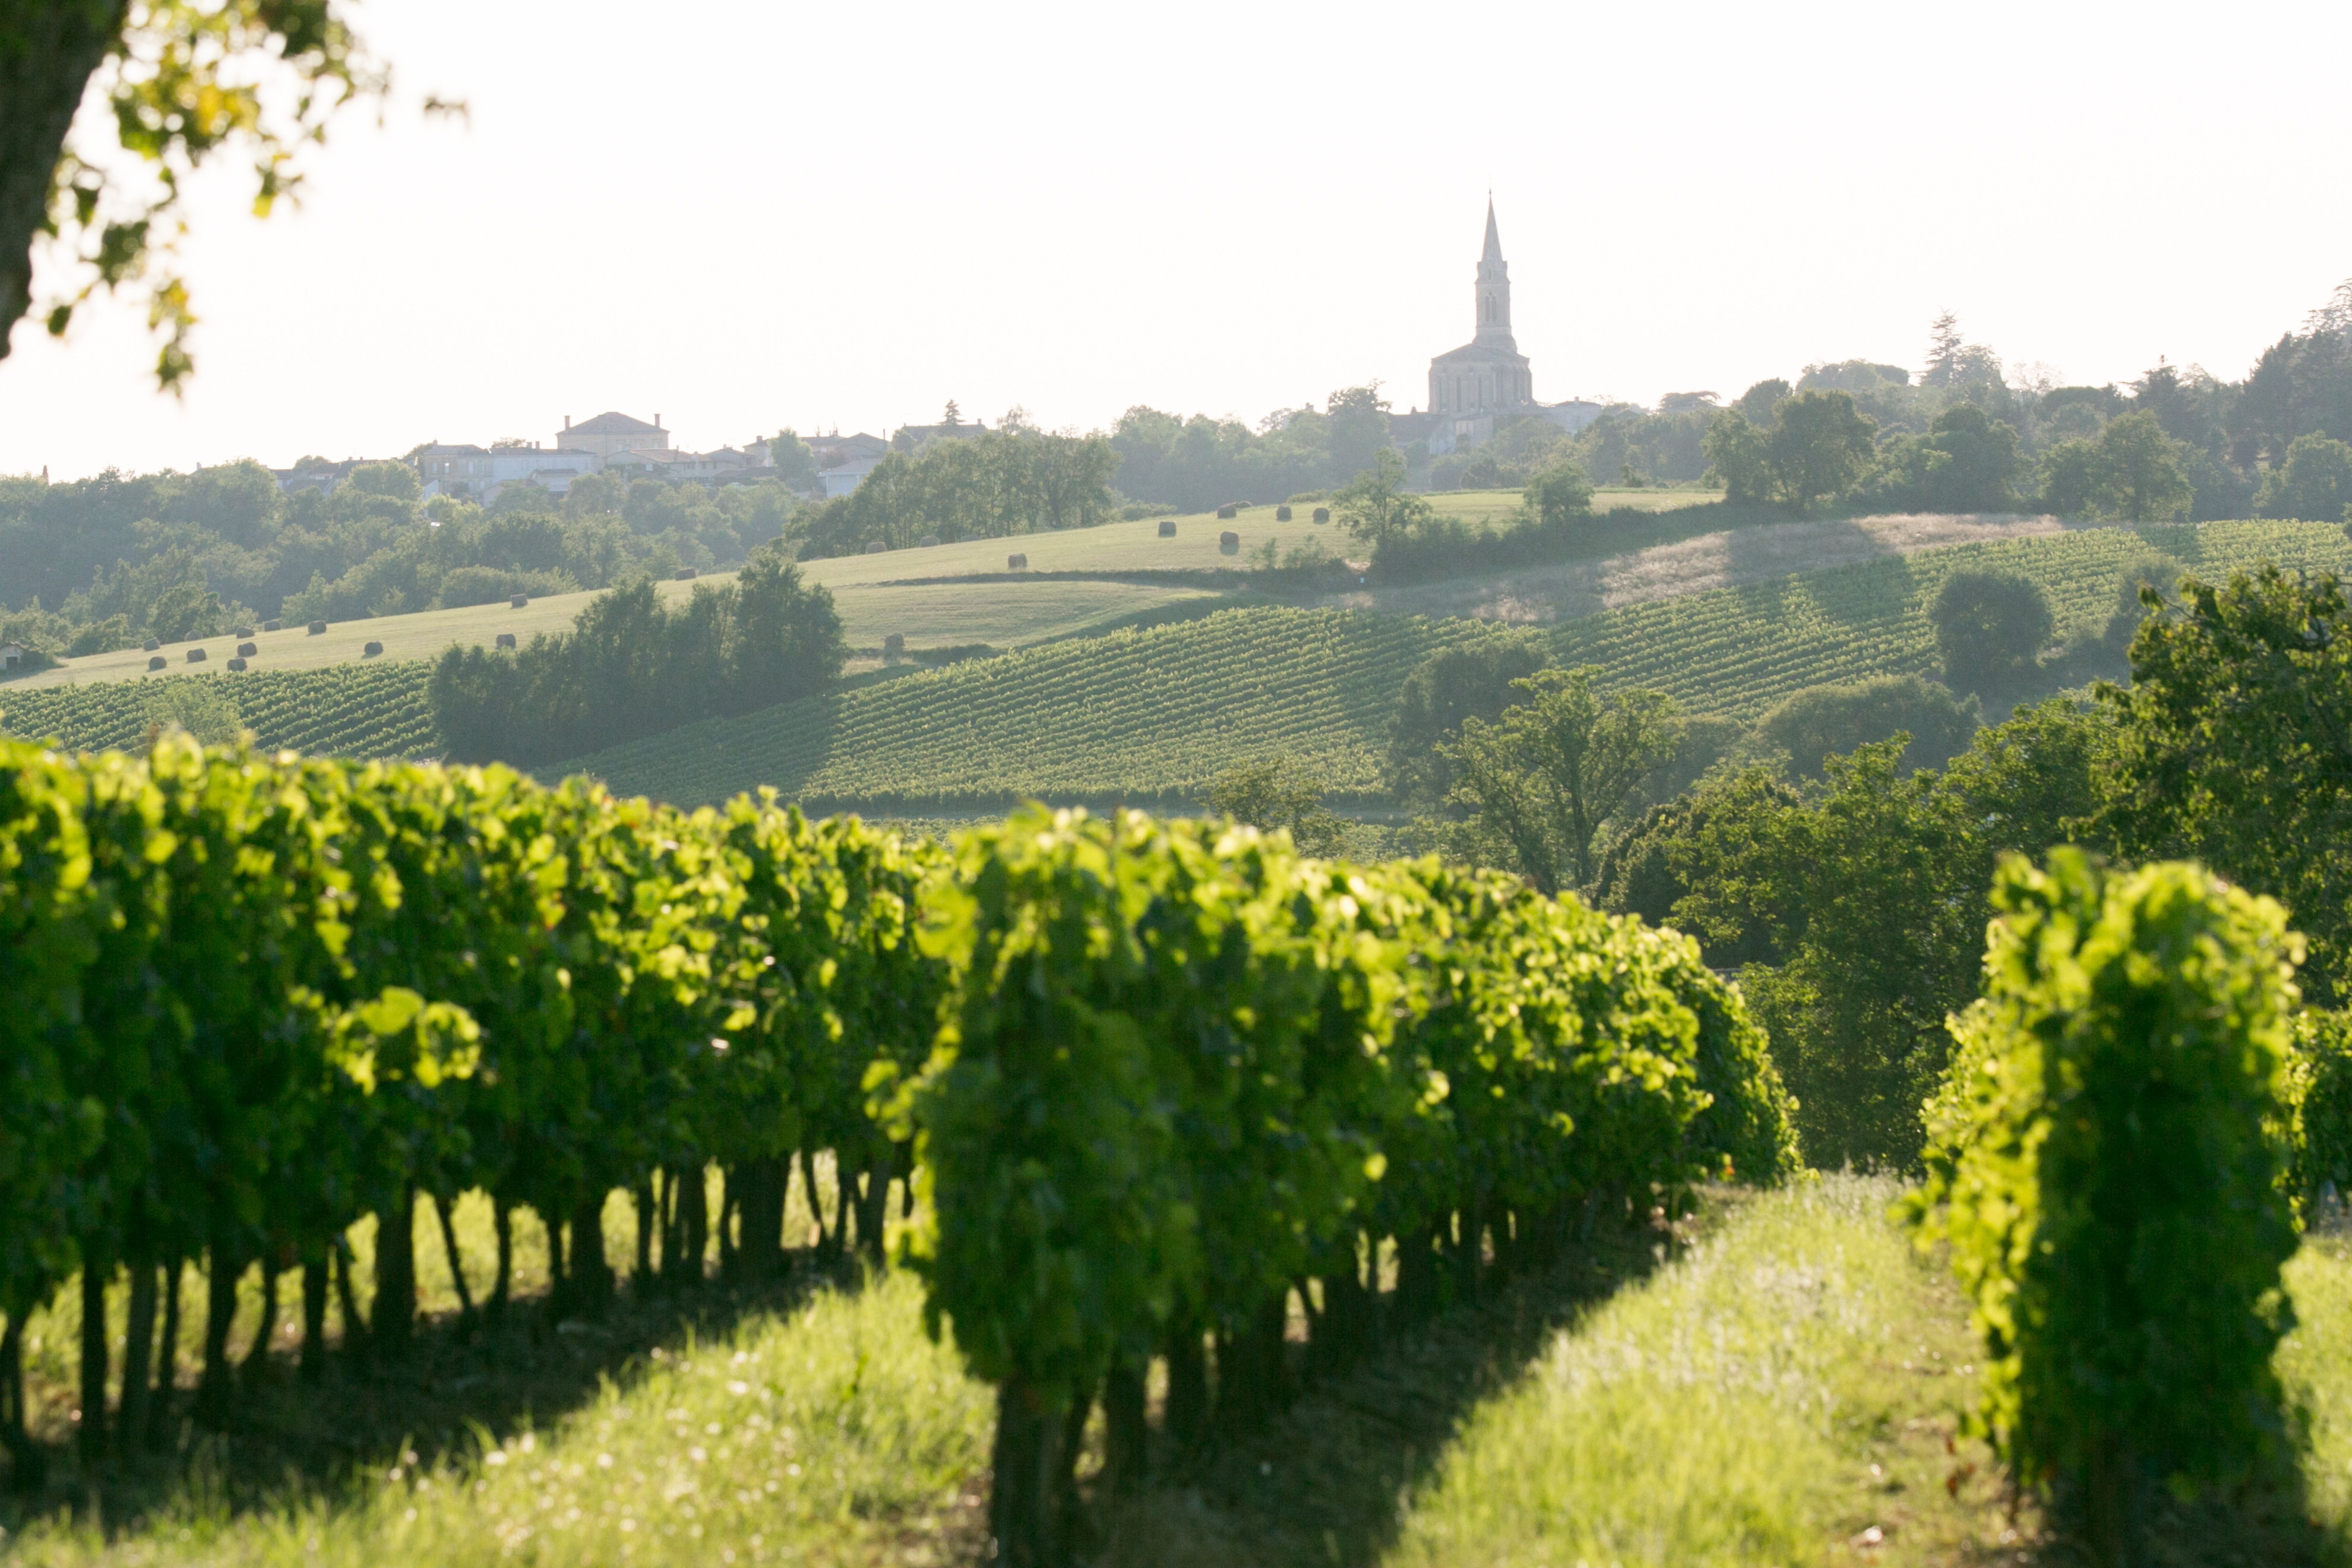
1494 288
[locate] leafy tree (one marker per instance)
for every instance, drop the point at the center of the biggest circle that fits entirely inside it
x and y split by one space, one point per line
1991 626
1738 456
2140 470
2071 478
1473 680
1561 492
796 463
1277 796
2235 748
1821 720
1539 784
1964 463
183 82
1756 404
1374 505
2313 484
1819 446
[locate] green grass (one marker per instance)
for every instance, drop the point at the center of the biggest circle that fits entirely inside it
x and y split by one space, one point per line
837 1433
1153 715
1784 1387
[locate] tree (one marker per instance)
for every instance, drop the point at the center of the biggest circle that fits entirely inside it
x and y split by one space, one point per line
1989 628
1358 428
2315 483
1759 401
2140 470
1820 721
1980 458
1561 492
2235 748
1540 784
1944 345
1374 506
1738 456
2070 478
184 82
1277 795
796 463
1473 680
1820 445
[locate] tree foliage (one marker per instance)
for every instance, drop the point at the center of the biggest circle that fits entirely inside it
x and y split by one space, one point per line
1990 630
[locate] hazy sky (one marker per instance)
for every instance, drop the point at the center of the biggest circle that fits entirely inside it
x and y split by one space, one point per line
745 215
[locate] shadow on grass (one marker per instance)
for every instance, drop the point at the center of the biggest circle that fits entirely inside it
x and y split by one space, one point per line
285 1439
1328 1482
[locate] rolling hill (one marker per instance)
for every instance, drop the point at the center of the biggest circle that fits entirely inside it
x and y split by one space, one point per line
1156 714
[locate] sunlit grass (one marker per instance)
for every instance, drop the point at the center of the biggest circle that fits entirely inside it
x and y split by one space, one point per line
2314 1365
1772 1398
838 1433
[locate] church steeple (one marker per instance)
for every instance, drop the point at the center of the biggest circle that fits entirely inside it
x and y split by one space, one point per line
1494 288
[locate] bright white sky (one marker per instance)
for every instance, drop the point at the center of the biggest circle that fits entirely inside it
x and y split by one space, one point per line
742 215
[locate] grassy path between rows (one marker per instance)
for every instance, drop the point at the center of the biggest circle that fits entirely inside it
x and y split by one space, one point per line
1778 1382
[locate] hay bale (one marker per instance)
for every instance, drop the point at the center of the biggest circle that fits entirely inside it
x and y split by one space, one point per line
1282 514
506 639
372 649
272 625
518 601
241 632
894 645
247 649
685 574
317 629
876 548
1322 514
1231 509
196 656
1016 563
156 663
150 645
1229 543
236 664
1167 528
929 539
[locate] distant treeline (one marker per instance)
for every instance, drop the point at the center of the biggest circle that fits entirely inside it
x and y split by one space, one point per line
632 667
986 486
97 564
1192 465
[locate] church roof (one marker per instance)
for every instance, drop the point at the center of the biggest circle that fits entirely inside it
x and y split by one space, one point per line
615 425
1474 352
1494 251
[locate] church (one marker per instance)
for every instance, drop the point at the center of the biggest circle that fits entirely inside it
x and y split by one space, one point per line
1486 382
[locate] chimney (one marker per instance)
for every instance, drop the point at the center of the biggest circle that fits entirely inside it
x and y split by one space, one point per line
567 421
657 421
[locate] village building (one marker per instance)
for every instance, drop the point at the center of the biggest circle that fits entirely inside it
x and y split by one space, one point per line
609 434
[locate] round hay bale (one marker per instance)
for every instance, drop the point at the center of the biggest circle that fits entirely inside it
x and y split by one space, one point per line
273 625
242 632
150 645
247 649
1282 514
196 656
895 643
236 664
506 639
1167 528
685 574
518 601
1016 563
1229 509
1229 543
156 663
317 629
1322 514
876 548
929 539
372 649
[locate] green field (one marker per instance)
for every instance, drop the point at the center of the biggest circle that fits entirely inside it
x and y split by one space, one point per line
1153 715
